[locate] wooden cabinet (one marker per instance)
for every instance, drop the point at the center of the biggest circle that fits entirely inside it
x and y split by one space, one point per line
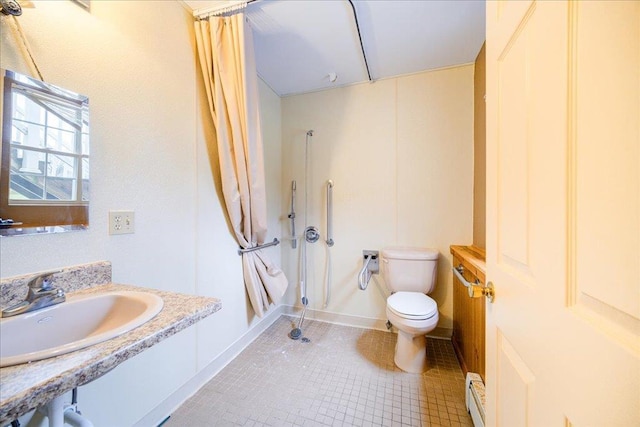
469 313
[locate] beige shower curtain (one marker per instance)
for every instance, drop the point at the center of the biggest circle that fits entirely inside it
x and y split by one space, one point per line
225 50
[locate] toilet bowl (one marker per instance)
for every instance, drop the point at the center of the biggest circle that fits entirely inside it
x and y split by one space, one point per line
410 274
414 315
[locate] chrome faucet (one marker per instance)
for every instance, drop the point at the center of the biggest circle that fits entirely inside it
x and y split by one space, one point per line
41 294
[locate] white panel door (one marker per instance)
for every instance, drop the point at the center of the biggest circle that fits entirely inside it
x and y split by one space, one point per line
563 213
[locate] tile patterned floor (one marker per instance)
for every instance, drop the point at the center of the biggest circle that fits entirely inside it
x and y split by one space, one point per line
343 377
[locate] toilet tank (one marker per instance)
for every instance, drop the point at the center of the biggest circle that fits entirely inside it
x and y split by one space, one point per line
409 269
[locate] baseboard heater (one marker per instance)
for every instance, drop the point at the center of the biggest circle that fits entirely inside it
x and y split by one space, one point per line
475 398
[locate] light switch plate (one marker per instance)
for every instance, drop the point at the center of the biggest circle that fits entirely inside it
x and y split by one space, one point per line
121 222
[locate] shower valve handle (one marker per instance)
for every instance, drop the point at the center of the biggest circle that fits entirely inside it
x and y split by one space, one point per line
311 234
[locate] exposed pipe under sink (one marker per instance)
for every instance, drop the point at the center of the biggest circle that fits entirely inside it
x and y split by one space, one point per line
58 413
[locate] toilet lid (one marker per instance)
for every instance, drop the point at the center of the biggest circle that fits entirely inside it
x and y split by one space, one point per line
412 305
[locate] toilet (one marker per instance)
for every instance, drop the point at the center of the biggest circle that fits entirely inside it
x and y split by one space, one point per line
410 274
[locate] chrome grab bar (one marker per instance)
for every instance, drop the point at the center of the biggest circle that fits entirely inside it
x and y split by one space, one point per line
370 267
255 248
330 241
475 290
458 272
365 275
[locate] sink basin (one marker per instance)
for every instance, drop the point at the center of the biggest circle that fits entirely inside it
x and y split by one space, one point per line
79 322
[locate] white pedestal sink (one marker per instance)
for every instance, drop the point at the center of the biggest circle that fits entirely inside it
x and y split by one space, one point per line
79 322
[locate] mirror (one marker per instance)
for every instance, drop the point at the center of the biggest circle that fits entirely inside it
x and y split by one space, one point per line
44 180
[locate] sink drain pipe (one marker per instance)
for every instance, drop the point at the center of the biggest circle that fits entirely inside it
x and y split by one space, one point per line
75 419
59 414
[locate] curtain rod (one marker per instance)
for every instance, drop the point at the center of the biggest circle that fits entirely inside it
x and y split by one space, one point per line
223 8
364 55
239 5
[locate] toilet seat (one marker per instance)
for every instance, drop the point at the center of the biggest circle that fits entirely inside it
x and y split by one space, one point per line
412 305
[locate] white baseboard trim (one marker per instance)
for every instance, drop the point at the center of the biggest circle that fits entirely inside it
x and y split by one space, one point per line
337 318
177 398
356 321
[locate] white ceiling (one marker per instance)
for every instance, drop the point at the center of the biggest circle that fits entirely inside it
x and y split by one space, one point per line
299 42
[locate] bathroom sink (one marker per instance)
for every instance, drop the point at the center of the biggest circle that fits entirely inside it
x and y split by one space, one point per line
81 321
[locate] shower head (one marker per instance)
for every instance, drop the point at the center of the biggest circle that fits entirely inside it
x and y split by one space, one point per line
310 133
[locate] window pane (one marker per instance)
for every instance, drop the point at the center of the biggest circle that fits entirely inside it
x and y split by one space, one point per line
85 140
26 109
26 181
61 178
26 187
54 121
85 168
61 166
85 180
61 189
27 161
23 133
61 140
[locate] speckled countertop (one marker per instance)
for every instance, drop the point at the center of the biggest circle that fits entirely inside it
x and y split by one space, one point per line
27 386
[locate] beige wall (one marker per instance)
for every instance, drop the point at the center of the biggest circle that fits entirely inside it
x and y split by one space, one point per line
479 151
400 152
135 61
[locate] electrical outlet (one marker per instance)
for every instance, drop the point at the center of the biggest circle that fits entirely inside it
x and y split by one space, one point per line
121 222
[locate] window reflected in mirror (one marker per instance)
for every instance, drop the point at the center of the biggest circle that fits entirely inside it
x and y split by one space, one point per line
44 182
